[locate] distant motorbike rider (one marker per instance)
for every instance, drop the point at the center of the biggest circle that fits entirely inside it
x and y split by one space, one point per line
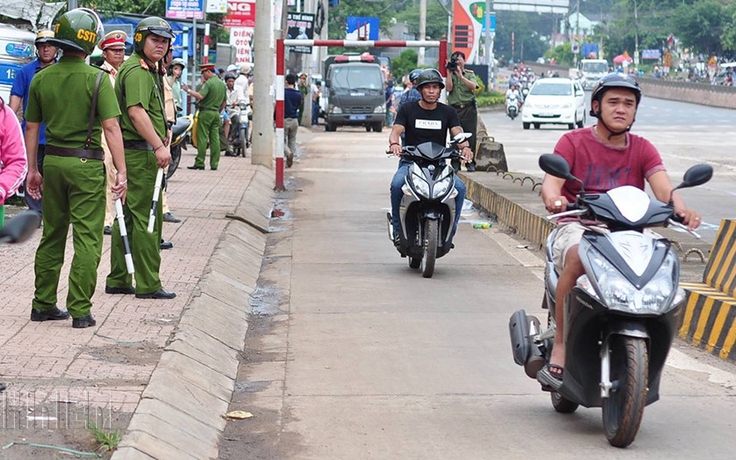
426 120
514 91
233 100
605 156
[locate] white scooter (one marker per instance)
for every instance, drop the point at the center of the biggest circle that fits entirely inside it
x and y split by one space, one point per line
512 106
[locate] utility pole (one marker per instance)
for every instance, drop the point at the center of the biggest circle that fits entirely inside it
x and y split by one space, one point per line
636 34
489 44
264 48
577 33
422 30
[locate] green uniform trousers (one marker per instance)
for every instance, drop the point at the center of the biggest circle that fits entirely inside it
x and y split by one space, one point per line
73 193
144 247
208 129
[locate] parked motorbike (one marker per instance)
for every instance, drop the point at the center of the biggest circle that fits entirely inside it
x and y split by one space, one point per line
20 227
620 316
427 212
180 132
240 131
512 106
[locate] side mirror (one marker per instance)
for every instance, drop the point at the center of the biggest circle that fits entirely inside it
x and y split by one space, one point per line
20 228
461 137
555 165
696 175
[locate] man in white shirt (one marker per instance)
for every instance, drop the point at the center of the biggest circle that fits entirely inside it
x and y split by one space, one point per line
242 81
232 103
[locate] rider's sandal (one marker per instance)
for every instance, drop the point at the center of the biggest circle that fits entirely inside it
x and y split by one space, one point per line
551 376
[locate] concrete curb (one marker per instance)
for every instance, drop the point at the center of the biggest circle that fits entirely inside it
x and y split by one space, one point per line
520 209
181 412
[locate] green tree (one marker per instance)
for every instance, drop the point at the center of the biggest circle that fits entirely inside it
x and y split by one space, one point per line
384 10
701 26
436 19
405 63
526 28
562 54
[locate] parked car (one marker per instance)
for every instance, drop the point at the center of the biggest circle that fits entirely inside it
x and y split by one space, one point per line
557 101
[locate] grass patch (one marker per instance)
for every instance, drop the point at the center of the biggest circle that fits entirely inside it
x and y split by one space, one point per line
107 439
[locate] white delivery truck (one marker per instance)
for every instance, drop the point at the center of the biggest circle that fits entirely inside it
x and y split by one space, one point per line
592 70
16 50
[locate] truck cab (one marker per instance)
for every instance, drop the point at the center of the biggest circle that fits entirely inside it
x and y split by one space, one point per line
355 92
592 70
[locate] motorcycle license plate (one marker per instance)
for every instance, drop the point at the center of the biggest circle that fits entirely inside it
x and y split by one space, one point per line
357 117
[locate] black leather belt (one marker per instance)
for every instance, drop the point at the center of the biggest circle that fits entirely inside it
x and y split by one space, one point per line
137 145
76 153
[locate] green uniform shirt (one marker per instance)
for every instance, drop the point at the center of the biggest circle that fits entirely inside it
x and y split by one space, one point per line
136 85
62 99
460 93
214 93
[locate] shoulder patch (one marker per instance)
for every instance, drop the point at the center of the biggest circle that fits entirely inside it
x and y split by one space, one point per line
144 66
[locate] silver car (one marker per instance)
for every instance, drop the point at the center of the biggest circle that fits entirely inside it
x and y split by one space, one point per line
557 101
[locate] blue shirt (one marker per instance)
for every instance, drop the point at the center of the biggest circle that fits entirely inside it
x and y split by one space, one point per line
409 96
21 86
292 101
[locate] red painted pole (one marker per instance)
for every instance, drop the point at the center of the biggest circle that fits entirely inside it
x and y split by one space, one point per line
279 154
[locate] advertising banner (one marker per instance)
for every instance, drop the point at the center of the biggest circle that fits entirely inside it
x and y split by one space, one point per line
185 9
360 28
242 39
240 13
300 26
216 6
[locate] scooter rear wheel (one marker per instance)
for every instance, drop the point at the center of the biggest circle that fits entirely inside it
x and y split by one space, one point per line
624 408
415 262
561 404
175 159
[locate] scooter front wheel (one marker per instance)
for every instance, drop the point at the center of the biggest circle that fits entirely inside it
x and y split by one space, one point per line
429 246
175 159
624 407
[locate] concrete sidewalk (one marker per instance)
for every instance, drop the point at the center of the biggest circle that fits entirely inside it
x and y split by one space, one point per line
165 365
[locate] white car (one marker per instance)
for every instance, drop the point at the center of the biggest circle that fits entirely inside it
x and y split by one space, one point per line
557 101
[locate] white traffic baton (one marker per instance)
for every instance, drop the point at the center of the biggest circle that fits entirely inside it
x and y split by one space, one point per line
124 235
154 202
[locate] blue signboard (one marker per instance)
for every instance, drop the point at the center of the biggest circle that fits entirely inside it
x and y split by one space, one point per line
359 28
185 9
493 22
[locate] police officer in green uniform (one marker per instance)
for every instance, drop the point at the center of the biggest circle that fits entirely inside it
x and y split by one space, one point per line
462 84
212 97
140 90
77 102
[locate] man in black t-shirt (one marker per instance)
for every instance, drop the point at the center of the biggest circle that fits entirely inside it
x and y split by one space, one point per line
424 121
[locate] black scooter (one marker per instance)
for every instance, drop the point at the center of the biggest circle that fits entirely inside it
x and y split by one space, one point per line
427 212
620 317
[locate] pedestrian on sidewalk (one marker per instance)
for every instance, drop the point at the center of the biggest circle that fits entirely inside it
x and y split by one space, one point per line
212 97
113 50
462 84
170 108
46 55
140 91
292 101
76 102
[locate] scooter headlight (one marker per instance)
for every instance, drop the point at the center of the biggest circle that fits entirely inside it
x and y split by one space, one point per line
618 293
443 185
417 180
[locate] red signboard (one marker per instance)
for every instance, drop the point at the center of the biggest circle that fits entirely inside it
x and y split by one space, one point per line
240 13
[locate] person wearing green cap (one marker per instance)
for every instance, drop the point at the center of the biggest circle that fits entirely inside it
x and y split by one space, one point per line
77 103
140 91
212 97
